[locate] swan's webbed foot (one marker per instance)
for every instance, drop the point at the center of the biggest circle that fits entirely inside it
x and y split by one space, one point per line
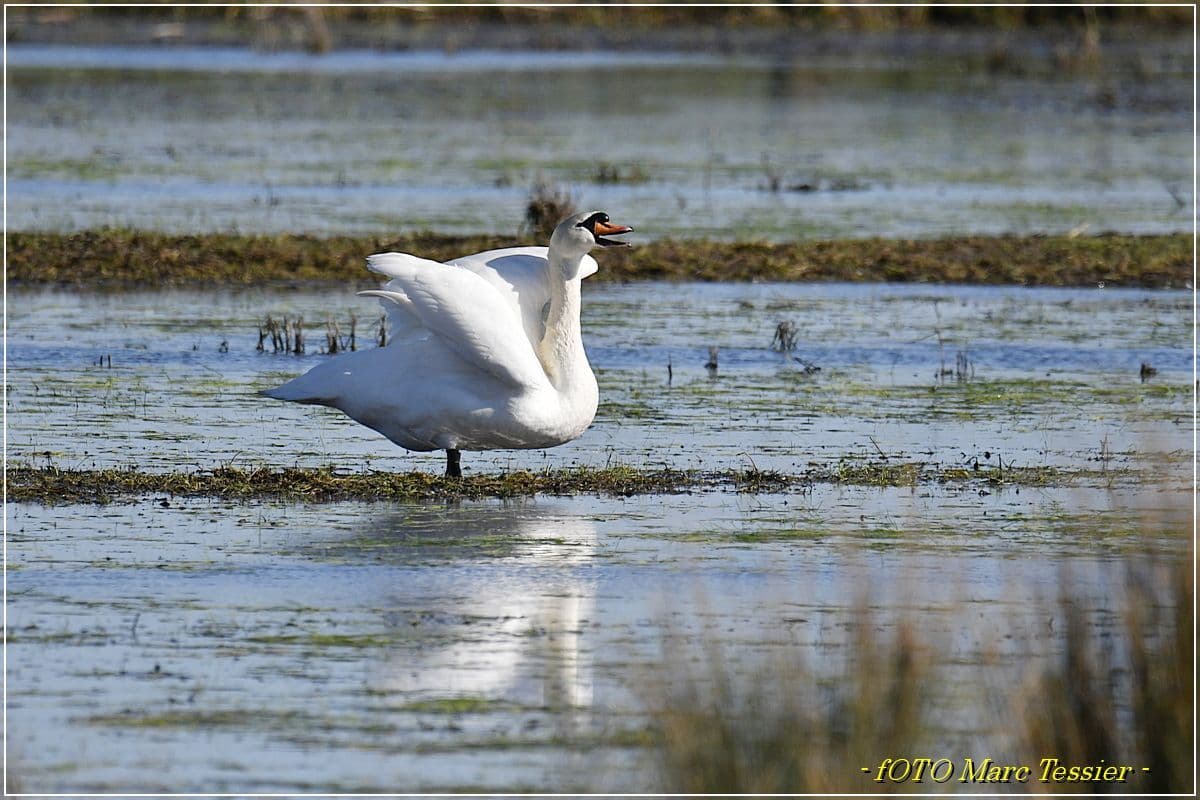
453 470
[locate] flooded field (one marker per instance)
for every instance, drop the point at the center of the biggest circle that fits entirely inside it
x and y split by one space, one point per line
202 644
268 646
811 145
1045 377
205 646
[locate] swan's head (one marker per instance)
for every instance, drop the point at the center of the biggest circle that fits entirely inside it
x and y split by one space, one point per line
580 233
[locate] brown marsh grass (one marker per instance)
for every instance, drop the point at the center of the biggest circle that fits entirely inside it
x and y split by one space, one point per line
548 204
1128 701
116 259
785 730
1124 696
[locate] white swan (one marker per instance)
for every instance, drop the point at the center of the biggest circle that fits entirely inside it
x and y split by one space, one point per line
485 350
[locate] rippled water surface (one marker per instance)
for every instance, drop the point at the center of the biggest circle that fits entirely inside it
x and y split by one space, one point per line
261 647
187 139
200 645
1047 377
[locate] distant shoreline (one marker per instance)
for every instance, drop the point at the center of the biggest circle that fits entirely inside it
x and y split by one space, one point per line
1013 38
125 259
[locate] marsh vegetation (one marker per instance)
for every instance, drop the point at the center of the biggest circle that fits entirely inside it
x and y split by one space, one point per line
126 259
1121 695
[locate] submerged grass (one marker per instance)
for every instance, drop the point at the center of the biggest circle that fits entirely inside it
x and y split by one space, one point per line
200 718
459 705
52 484
115 258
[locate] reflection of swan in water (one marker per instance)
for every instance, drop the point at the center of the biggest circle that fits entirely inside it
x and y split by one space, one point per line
508 625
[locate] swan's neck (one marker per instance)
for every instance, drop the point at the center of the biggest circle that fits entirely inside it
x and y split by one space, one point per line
561 349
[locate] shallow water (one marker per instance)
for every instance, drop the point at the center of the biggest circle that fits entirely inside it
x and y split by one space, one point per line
192 139
508 646
262 647
1051 378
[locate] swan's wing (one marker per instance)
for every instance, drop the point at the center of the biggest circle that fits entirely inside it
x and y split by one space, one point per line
404 326
519 274
500 261
462 309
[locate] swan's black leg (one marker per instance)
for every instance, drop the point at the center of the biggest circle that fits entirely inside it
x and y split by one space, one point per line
453 470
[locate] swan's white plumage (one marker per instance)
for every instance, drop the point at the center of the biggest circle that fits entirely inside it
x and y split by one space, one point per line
520 274
467 366
466 312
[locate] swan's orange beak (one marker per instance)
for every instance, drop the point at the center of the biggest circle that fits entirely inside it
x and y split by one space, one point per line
602 229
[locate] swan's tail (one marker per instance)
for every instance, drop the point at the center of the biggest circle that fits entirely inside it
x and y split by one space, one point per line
290 392
339 380
317 386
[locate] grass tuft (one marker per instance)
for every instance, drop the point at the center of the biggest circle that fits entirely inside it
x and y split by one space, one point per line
547 206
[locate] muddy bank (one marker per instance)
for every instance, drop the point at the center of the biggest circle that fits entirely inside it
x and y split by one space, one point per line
114 259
